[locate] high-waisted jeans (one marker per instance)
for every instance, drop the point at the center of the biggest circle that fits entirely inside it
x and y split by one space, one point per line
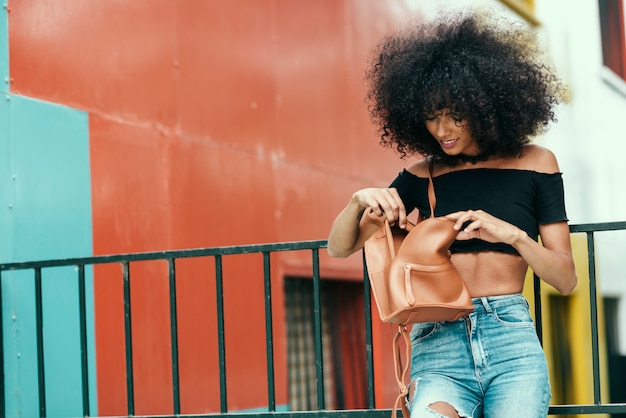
488 364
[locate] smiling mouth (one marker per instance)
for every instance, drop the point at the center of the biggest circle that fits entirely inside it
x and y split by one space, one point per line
447 143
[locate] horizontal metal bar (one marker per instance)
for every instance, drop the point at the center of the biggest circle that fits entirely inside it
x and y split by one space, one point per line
360 413
230 250
613 408
598 227
160 255
384 413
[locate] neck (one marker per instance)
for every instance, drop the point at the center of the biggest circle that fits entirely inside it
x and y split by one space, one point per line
452 160
473 159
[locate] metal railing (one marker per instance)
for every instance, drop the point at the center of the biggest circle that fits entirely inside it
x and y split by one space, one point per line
266 250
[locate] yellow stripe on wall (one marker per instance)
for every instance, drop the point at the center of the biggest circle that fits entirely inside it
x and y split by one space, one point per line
578 332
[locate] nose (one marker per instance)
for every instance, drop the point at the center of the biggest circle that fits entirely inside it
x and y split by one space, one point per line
443 126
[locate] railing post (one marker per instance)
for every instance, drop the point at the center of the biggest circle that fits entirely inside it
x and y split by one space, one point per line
538 311
317 318
174 334
593 304
128 332
2 387
269 333
83 339
221 346
369 352
40 348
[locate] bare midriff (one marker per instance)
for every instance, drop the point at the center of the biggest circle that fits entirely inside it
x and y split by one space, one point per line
491 273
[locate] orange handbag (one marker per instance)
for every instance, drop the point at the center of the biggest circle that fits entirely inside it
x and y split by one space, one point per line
413 279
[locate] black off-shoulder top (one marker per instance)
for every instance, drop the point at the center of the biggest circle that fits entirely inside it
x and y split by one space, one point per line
523 198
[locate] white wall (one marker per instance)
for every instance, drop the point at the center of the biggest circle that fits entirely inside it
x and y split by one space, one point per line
590 138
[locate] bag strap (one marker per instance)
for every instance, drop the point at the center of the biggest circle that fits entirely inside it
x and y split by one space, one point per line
431 188
401 372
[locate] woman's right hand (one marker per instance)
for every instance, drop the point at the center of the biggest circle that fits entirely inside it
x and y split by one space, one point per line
353 226
383 203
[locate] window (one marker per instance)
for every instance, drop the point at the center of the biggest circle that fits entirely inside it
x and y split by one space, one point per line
613 39
343 343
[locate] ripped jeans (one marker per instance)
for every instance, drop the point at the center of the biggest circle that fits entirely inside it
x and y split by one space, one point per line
489 364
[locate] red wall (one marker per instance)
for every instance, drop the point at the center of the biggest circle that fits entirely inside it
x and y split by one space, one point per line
211 123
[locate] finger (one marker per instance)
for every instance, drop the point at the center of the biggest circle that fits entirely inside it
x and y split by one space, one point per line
454 216
460 218
387 202
473 226
370 201
391 208
376 209
401 212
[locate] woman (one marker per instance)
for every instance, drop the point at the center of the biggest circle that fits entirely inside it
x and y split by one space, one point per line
469 94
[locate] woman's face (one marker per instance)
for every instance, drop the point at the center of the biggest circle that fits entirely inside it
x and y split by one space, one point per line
451 132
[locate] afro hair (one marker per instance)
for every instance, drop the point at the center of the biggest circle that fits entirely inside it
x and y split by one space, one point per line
487 71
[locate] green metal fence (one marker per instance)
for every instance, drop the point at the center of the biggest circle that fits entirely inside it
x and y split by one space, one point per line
124 260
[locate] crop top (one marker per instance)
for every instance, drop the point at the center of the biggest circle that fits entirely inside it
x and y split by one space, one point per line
523 198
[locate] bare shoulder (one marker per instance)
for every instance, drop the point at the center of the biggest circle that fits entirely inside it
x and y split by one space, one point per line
539 159
418 168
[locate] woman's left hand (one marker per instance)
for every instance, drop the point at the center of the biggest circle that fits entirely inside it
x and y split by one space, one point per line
484 226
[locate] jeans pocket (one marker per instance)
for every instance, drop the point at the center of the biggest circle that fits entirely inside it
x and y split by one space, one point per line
516 315
423 330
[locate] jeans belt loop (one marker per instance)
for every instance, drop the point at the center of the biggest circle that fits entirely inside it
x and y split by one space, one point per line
485 303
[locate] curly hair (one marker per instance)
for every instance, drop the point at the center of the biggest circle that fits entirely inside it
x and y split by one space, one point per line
491 76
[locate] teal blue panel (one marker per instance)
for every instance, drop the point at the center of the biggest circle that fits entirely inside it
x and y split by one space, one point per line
51 180
6 183
48 211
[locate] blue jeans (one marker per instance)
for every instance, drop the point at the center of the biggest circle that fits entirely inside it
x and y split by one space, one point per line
488 364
